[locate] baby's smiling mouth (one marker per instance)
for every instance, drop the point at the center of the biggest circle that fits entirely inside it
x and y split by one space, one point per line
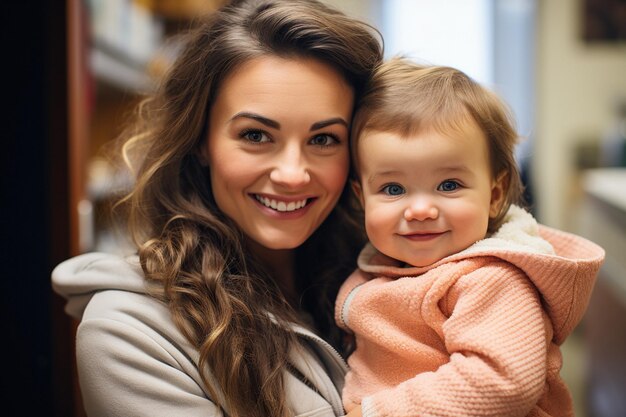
422 236
282 206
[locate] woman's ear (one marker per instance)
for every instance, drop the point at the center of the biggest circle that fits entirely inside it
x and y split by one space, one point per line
498 193
358 191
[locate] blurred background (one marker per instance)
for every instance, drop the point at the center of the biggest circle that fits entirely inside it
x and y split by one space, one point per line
73 70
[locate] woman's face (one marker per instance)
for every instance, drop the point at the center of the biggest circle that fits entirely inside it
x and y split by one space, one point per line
277 147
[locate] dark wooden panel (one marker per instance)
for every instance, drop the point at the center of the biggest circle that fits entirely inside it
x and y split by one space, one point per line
605 333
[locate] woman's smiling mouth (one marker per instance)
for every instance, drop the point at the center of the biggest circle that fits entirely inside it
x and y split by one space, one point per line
282 206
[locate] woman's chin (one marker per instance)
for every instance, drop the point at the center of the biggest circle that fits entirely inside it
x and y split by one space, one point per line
277 240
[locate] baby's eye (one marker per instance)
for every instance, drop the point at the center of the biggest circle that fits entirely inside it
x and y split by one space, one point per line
393 189
255 136
448 186
324 140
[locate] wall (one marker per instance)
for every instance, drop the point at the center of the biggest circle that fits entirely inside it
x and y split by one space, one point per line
576 85
366 10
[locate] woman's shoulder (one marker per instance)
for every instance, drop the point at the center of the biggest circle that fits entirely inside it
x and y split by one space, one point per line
135 327
126 339
130 353
137 310
108 291
79 278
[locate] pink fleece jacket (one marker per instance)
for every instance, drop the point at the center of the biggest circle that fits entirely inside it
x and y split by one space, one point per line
475 334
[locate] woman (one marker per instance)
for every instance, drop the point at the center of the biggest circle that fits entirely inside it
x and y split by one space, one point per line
238 211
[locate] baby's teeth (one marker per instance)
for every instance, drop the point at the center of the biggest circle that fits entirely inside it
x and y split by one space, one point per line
291 206
273 204
281 206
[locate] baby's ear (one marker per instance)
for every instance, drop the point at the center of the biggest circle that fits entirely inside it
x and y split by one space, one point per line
498 193
358 191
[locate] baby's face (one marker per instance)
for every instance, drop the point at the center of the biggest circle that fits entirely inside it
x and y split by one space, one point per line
426 196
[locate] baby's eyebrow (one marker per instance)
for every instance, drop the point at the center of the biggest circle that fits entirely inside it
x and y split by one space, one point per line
453 168
372 178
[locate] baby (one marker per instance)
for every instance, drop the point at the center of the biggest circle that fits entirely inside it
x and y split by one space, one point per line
461 300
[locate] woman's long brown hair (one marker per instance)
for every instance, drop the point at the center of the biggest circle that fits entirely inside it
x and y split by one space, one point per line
191 254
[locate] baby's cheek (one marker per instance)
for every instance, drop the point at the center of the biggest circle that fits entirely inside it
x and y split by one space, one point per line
380 225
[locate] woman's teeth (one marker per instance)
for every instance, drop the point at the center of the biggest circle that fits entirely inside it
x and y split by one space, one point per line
280 205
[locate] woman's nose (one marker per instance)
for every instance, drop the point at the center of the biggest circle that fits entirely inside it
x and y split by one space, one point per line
421 208
290 169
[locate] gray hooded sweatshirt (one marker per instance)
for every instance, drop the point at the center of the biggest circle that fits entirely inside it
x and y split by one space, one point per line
133 361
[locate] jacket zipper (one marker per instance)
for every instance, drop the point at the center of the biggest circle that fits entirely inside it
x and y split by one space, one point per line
337 404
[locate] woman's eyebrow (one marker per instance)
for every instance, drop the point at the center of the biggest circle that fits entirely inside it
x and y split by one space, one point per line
323 123
275 125
261 119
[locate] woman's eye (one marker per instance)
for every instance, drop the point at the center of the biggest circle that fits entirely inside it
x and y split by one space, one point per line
255 136
324 140
448 186
393 189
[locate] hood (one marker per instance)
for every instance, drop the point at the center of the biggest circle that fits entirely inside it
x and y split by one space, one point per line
562 266
79 278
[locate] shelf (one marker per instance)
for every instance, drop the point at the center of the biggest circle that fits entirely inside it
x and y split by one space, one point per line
603 184
104 181
121 73
184 10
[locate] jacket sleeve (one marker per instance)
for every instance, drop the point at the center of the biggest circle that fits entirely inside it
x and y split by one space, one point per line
494 329
356 279
126 368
